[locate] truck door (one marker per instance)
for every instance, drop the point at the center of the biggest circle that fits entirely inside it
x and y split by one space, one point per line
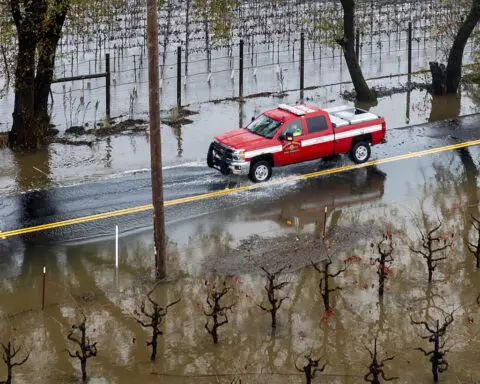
319 140
292 151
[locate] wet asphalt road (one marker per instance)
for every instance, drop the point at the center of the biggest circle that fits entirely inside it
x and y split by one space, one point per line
46 206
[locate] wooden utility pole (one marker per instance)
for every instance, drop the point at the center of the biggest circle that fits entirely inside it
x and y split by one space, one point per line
155 140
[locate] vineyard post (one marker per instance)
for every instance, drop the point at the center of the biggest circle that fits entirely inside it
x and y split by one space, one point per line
240 73
409 51
302 64
179 78
107 80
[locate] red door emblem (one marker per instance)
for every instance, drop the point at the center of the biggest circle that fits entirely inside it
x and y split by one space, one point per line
291 147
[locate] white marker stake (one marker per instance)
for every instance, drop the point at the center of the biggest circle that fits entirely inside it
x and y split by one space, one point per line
116 246
43 287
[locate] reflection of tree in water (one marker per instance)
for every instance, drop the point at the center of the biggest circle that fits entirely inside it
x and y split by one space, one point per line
177 131
435 107
33 171
108 153
444 107
431 301
214 242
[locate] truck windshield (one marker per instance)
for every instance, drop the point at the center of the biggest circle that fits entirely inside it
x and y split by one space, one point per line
264 126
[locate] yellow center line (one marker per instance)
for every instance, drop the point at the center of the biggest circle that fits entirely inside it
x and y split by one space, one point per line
189 199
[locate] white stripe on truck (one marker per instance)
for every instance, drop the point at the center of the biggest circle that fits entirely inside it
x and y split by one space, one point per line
317 140
357 132
258 152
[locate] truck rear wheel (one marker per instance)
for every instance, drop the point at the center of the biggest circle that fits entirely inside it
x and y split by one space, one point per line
360 152
260 171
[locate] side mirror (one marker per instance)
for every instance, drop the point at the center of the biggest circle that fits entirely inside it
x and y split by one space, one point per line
253 118
289 137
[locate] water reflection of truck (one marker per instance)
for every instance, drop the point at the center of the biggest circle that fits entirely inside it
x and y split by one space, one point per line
307 205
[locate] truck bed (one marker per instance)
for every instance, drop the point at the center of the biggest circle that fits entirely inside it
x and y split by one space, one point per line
346 115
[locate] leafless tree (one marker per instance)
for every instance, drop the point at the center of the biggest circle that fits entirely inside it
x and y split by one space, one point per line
217 313
431 245
325 276
87 349
436 336
475 248
376 367
155 317
271 288
310 367
385 250
9 355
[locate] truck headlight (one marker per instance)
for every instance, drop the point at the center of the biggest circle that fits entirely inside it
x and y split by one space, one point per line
239 155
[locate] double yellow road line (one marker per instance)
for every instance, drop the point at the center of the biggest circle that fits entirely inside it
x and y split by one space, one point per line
224 192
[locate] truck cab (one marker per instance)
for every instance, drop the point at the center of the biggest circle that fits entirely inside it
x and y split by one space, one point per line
294 134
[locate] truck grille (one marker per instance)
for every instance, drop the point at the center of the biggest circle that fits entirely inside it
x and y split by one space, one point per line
225 153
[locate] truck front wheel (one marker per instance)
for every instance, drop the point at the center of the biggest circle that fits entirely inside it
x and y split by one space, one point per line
210 156
360 152
260 171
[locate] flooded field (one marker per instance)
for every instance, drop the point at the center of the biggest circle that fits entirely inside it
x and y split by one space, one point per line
82 278
210 59
227 240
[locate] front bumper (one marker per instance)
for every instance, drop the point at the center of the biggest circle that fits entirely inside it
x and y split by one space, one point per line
240 167
235 168
222 159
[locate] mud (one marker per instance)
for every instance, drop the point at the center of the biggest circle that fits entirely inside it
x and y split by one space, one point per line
290 251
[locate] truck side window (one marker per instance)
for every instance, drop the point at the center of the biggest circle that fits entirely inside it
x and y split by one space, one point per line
294 129
316 124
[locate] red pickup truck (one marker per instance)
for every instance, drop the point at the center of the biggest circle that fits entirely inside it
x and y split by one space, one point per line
293 134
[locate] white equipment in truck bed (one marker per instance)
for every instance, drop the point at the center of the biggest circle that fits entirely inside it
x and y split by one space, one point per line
346 115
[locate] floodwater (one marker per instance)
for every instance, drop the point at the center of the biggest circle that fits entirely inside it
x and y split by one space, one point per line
81 277
121 155
69 181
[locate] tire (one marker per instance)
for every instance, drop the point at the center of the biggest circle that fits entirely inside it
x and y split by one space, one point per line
260 171
360 152
210 156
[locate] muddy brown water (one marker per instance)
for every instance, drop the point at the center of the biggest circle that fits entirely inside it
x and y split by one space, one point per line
82 278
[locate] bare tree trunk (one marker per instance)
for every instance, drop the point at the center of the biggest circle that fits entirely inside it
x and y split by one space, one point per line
83 364
274 318
38 31
381 288
9 375
46 48
326 296
455 58
364 93
23 133
439 78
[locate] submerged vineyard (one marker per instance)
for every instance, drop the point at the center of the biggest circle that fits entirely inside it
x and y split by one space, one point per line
209 32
